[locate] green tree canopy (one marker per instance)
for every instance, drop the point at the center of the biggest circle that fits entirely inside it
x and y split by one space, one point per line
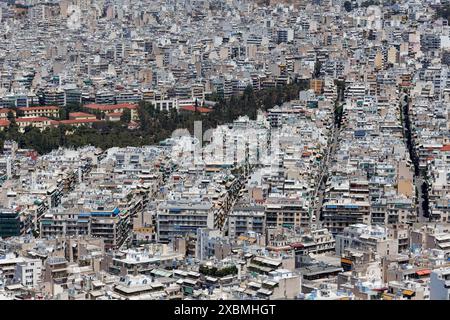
126 116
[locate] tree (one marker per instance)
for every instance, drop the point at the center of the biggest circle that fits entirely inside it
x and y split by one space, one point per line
155 125
19 113
214 272
72 107
443 12
348 6
317 67
63 114
126 116
11 117
370 3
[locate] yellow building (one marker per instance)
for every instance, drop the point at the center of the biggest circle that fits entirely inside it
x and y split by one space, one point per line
378 60
43 111
317 85
37 122
392 55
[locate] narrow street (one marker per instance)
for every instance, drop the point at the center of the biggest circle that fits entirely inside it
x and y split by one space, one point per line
419 178
319 192
320 187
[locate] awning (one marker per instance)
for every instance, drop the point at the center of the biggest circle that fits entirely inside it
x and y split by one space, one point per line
211 279
265 292
423 272
97 283
408 293
16 286
387 296
284 248
254 284
346 261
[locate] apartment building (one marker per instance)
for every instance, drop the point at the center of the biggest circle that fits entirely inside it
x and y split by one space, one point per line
244 219
337 215
29 272
14 222
181 217
287 213
440 284
111 225
366 238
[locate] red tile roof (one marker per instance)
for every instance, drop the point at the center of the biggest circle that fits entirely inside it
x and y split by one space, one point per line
423 272
4 123
199 109
446 148
6 110
107 107
80 114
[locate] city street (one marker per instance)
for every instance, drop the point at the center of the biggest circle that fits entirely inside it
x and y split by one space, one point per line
418 178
